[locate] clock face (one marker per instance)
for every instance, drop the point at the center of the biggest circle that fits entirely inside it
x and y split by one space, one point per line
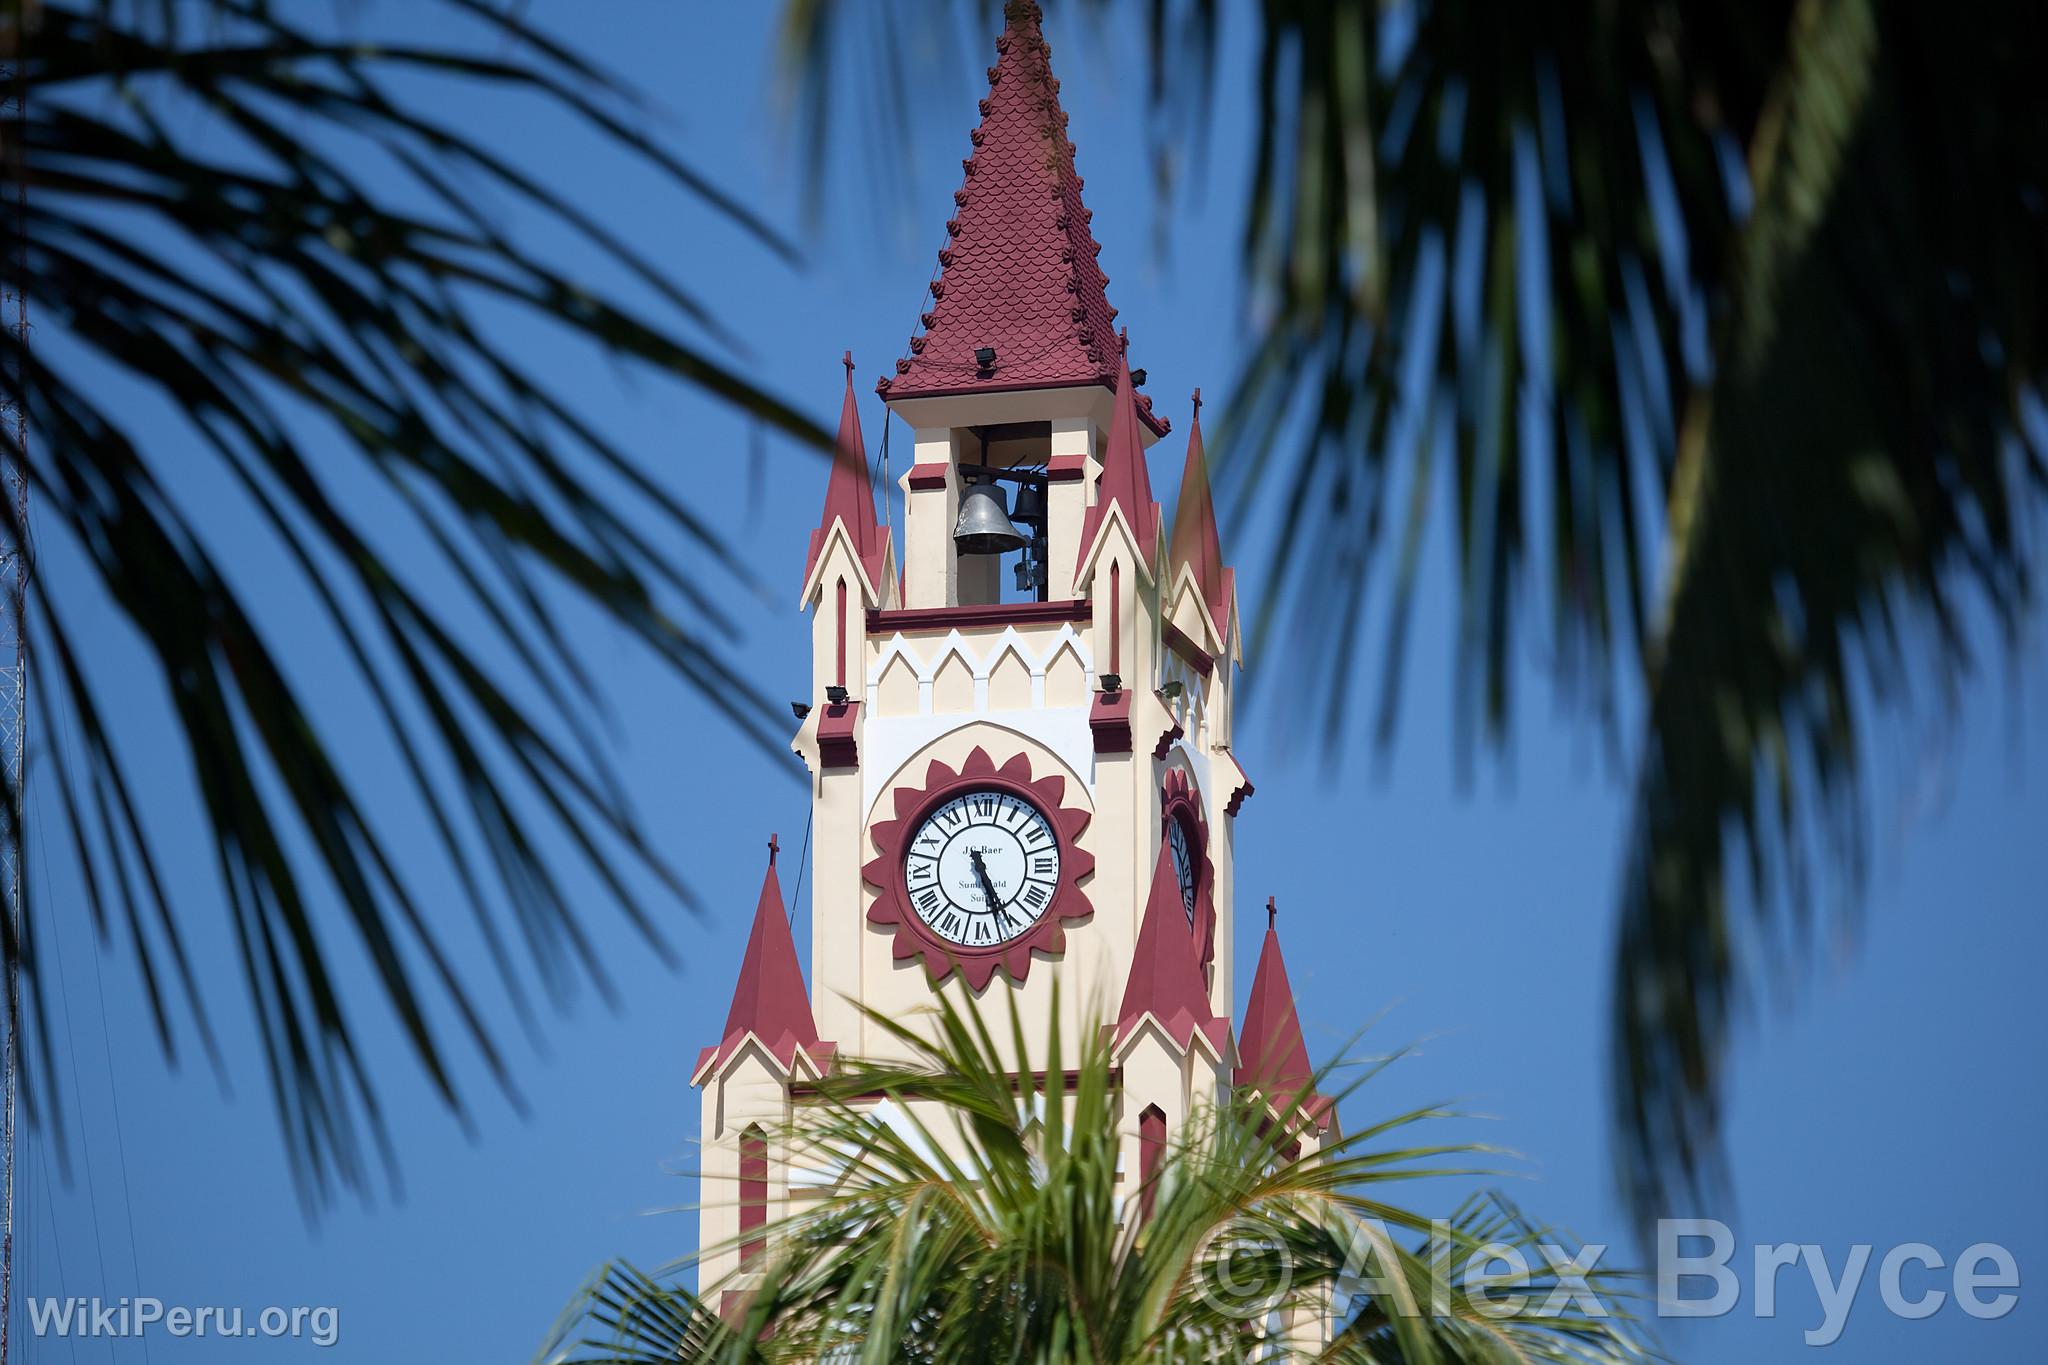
981 869
1183 851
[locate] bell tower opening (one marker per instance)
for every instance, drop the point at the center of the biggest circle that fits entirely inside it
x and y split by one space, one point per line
1001 536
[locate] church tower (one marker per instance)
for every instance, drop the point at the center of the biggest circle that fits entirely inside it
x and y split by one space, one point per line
1020 744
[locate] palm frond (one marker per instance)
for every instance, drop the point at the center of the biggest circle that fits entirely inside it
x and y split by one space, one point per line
1707 333
991 1220
314 271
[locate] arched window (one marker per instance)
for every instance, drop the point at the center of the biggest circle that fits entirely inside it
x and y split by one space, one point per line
840 675
1151 1151
753 1191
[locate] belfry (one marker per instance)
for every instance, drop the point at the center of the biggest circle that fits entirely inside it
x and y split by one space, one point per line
1020 740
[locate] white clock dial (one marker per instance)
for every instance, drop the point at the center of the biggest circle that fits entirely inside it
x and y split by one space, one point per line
982 868
1183 851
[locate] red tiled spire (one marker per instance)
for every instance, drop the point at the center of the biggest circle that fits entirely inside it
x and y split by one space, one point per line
1272 1057
1195 542
1166 975
1019 271
769 1001
1124 481
847 495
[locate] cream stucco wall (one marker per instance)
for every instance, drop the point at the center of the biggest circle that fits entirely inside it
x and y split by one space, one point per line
936 680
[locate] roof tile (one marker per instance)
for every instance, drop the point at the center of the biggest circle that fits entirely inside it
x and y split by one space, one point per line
1019 271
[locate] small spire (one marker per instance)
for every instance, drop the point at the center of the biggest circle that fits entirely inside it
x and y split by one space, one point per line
1272 1055
1165 979
1019 273
1124 481
1195 541
848 497
769 1001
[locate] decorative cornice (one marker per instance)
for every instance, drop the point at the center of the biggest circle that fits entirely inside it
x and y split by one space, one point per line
1109 720
909 619
838 744
1197 658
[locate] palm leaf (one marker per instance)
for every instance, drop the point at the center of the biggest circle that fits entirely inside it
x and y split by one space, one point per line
994 1224
1709 332
324 331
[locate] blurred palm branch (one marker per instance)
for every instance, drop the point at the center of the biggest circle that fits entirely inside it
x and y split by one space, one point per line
1714 335
992 1219
311 266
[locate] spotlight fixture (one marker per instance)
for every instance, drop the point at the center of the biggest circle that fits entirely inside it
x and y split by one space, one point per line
800 709
1137 377
1171 691
985 356
836 695
1112 683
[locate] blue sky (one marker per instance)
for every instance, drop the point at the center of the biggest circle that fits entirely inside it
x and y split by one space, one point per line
1889 1093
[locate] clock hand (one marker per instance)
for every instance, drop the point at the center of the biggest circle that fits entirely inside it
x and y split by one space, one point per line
988 887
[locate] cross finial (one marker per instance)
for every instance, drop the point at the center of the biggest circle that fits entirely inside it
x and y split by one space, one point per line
1198 402
847 361
1272 911
773 849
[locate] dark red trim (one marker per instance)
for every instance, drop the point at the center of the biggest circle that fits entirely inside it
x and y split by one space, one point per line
1179 802
1036 1080
1066 468
841 679
1151 1151
837 746
1168 735
1199 659
1109 719
882 622
1160 426
928 475
753 1192
1237 797
914 938
1116 606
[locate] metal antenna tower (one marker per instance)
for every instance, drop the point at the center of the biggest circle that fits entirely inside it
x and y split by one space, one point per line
14 571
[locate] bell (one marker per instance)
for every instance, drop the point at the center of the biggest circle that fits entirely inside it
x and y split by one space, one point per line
1030 505
984 526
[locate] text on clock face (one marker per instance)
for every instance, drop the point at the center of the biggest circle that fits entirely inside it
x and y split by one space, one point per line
982 868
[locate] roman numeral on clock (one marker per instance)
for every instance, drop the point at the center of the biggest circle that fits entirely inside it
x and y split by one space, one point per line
982 868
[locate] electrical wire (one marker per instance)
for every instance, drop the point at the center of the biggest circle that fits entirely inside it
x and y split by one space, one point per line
803 860
56 1240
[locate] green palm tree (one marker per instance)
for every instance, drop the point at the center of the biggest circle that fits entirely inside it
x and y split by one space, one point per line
245 213
1716 336
995 1222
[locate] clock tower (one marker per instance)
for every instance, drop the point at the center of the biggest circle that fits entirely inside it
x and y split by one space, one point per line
1020 743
